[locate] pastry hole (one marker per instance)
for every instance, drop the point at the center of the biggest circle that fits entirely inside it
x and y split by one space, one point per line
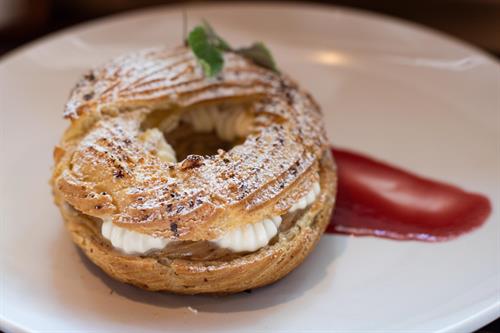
205 128
186 141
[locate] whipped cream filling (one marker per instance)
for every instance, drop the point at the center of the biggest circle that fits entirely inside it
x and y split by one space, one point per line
154 140
129 241
228 124
307 199
250 237
247 238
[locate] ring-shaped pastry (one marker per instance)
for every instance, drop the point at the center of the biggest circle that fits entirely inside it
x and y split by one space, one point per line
169 180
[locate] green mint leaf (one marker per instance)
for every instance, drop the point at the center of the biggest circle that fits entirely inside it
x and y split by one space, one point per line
208 55
215 39
259 54
208 48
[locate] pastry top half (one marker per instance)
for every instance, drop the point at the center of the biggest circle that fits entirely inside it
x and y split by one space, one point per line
115 162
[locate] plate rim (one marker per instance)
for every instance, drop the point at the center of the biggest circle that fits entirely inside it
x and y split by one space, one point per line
472 322
242 3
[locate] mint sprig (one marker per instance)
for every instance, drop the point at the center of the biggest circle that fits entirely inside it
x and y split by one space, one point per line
259 54
208 47
208 55
215 39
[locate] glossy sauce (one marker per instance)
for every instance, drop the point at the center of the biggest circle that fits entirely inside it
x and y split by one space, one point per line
377 199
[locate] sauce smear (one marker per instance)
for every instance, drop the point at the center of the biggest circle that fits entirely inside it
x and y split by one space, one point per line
377 199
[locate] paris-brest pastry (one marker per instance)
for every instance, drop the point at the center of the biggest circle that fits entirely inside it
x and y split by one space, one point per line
171 180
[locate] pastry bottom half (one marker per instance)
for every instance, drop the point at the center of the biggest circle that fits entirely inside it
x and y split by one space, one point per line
224 275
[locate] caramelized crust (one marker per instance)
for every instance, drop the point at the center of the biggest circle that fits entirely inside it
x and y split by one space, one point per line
110 164
103 169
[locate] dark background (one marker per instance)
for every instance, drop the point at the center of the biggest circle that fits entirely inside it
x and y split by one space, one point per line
475 21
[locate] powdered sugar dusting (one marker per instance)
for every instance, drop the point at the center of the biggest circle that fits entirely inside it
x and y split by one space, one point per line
174 200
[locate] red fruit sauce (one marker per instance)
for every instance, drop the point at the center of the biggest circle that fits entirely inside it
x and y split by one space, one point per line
377 199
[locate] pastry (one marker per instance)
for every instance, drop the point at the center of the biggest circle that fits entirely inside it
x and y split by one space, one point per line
169 180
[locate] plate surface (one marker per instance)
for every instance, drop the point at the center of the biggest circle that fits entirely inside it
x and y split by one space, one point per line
388 88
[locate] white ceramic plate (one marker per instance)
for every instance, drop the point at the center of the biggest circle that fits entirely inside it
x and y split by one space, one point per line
387 88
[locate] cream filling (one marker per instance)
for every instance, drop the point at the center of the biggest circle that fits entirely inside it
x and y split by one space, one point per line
247 238
307 199
154 140
250 237
129 241
228 124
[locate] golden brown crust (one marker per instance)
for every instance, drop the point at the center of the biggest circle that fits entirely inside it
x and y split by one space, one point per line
182 276
103 169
